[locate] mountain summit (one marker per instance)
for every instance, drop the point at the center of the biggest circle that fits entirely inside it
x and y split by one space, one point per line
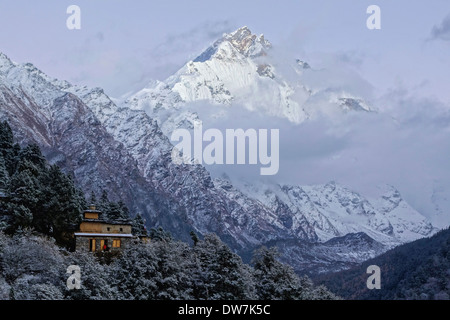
241 69
247 44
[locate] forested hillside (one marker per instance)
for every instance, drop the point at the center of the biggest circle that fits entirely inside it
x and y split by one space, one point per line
37 195
416 270
33 267
34 193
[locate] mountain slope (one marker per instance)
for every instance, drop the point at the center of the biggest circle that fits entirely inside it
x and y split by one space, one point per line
335 211
69 134
416 270
339 253
348 228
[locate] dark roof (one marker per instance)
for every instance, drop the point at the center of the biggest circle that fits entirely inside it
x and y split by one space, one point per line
116 222
119 221
103 219
92 211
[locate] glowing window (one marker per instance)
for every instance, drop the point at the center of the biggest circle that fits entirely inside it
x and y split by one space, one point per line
116 244
92 244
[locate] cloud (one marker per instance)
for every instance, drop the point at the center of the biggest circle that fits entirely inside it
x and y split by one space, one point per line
164 59
351 58
198 35
178 46
121 70
406 145
442 31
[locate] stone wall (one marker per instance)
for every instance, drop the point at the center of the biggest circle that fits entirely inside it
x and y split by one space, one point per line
83 242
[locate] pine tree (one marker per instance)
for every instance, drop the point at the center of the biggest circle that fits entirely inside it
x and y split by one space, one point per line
103 202
110 211
8 150
93 199
221 273
135 273
25 183
4 175
21 217
31 158
173 282
5 214
159 234
138 226
124 211
62 206
26 190
40 196
194 237
6 136
113 211
274 280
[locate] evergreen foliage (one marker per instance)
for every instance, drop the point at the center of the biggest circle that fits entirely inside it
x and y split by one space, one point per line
138 227
36 194
111 211
33 267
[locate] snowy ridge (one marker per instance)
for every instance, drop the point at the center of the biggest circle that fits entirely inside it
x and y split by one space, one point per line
238 70
27 78
334 211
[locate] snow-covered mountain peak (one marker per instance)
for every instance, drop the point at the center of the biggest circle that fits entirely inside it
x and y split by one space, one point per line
27 80
4 60
334 210
3 57
236 45
235 70
27 74
5 63
248 44
240 69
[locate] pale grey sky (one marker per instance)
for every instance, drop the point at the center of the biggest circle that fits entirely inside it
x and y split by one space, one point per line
124 44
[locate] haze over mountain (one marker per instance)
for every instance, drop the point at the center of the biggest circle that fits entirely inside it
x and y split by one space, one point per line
328 129
125 148
239 70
